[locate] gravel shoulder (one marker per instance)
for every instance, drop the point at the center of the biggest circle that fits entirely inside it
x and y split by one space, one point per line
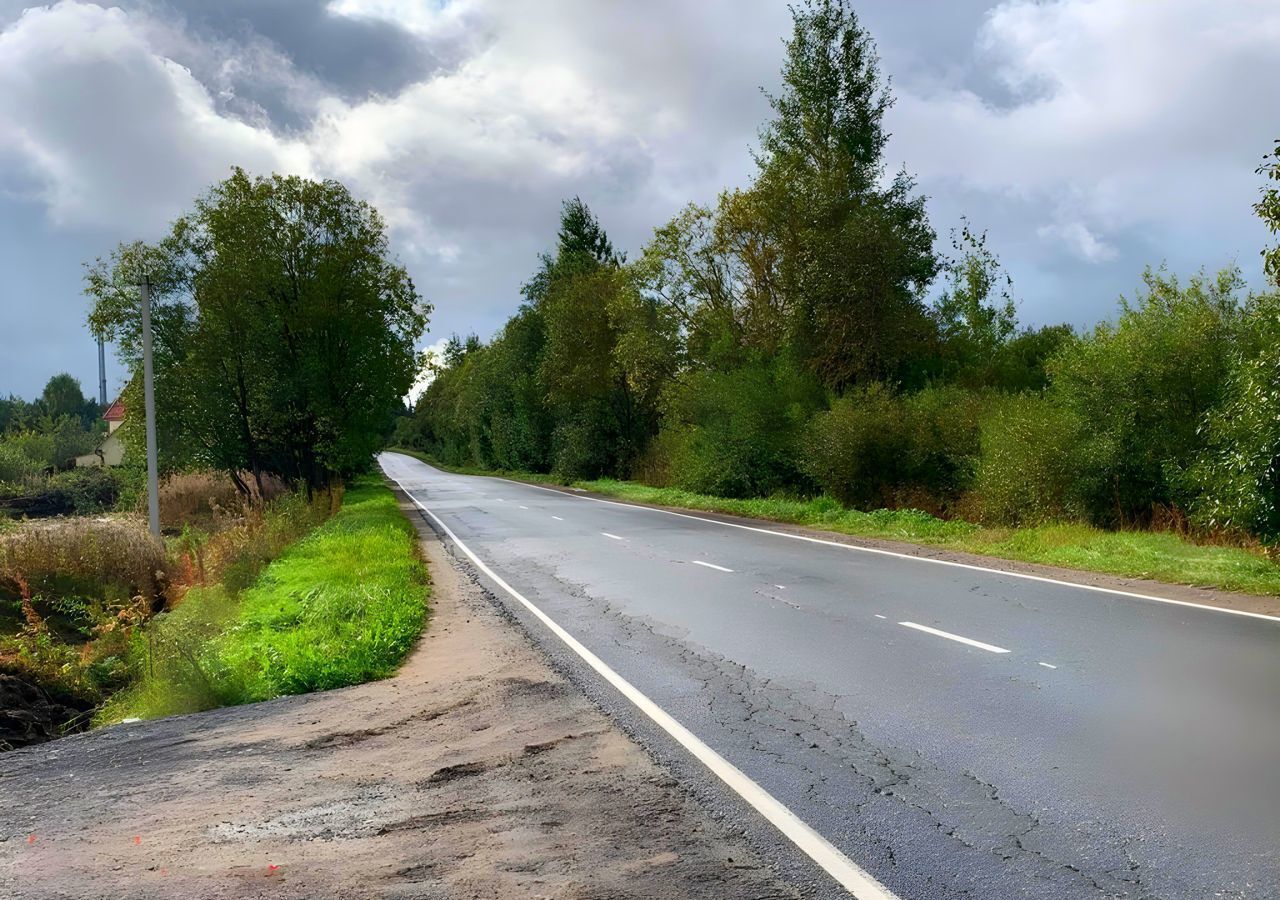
478 771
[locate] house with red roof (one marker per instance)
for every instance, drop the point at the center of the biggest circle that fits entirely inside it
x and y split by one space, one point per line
111 451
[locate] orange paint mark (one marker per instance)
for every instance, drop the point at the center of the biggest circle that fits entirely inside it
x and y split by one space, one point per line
137 839
31 839
271 869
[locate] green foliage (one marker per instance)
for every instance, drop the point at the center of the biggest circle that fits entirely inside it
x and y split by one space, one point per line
284 334
734 433
1034 464
1268 210
874 448
340 607
854 258
82 492
16 465
1238 476
1143 386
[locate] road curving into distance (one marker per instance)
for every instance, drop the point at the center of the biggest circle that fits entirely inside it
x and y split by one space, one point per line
916 729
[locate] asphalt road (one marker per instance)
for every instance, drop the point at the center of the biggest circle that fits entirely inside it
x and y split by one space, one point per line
955 732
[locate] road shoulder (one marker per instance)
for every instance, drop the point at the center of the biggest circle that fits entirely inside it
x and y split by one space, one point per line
478 771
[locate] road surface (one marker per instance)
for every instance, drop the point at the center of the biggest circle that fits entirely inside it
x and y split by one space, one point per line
950 730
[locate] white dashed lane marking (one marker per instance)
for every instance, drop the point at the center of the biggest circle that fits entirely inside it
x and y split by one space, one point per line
1048 665
698 562
557 518
613 536
990 648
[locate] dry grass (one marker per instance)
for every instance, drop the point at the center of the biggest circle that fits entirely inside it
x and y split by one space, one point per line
209 500
97 556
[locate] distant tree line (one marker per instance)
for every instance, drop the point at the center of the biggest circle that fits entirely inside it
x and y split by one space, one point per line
284 333
47 434
780 340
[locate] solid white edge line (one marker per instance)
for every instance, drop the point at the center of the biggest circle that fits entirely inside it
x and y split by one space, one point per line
845 871
990 648
1026 576
698 562
608 535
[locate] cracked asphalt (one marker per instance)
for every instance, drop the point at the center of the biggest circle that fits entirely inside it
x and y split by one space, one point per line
1033 739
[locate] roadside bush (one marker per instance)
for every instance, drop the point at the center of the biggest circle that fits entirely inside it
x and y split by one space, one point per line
1144 385
877 449
857 450
1237 478
577 447
1036 463
16 467
86 491
734 434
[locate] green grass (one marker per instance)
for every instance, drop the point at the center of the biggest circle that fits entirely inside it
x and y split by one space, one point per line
342 606
1160 556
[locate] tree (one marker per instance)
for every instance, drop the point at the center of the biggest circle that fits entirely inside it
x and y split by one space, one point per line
285 335
855 257
605 352
1144 384
1238 475
976 312
62 396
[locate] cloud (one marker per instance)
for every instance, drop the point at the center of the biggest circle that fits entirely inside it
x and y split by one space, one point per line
1078 239
1117 118
1088 137
112 131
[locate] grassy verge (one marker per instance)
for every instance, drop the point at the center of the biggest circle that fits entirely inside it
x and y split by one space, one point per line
1161 556
342 606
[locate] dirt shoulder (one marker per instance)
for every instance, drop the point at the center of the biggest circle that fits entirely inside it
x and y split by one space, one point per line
1253 603
476 772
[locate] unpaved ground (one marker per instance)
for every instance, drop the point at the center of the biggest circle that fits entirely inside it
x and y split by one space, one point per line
477 772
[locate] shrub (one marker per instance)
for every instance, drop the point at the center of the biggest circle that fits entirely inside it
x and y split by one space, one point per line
35 446
1237 478
734 434
16 467
1144 385
875 449
857 450
86 491
1035 463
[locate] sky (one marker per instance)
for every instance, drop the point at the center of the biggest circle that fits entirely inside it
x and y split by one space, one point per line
1089 138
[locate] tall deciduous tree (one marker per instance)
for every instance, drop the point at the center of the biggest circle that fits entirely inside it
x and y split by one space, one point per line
285 334
856 254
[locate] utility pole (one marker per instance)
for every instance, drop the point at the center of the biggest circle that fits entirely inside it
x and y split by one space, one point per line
102 373
149 401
